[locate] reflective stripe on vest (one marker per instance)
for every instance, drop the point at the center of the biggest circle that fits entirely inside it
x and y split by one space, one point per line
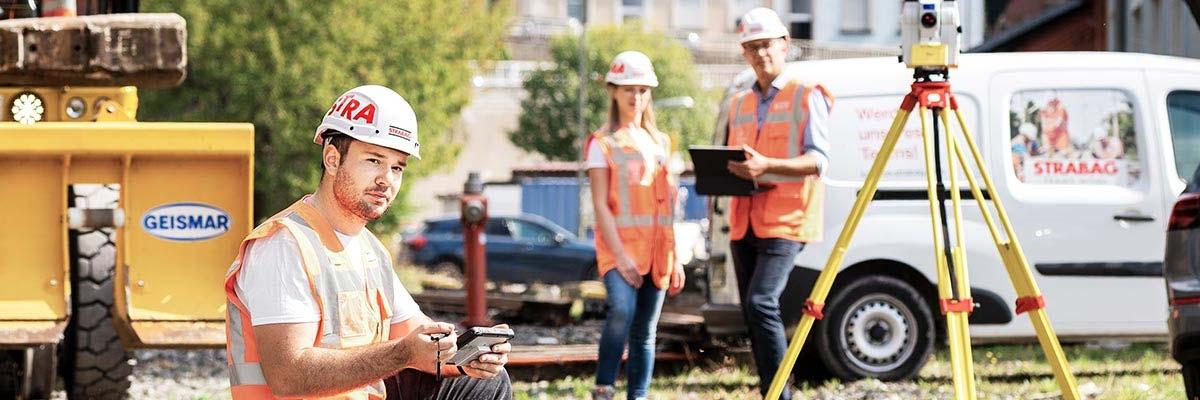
352 292
626 217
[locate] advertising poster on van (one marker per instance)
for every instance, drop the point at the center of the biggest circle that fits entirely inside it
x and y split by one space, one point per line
1074 137
861 124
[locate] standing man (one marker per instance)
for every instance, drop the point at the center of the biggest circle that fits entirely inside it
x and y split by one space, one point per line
781 124
315 309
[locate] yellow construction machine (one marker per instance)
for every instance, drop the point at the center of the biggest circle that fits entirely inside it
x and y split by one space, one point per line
116 234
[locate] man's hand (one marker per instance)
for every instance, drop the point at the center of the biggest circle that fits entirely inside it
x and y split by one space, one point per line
488 365
755 165
423 350
677 278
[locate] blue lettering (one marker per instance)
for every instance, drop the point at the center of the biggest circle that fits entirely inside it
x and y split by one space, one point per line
180 222
209 223
164 222
195 221
148 222
223 222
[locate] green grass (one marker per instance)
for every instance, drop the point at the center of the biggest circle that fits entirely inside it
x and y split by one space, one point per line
1139 371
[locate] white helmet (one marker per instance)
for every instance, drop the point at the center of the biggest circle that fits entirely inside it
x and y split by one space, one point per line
761 23
376 115
631 68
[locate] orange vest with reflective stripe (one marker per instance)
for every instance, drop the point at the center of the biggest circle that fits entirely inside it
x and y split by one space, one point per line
792 208
644 209
352 291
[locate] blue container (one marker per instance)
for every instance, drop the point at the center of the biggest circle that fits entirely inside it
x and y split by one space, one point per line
557 199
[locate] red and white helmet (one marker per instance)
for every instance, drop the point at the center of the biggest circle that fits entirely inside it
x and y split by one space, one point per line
631 68
761 23
376 115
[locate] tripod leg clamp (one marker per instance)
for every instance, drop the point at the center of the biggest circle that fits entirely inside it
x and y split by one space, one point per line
813 309
1030 303
966 305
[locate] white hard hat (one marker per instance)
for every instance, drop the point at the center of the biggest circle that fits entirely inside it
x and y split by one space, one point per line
376 115
761 23
631 68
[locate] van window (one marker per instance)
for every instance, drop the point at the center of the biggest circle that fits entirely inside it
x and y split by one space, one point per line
1183 110
1074 137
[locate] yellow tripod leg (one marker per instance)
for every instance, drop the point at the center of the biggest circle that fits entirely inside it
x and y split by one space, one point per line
954 321
1019 273
824 282
964 303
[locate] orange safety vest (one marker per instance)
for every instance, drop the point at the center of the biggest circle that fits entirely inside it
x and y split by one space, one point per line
352 291
792 207
644 214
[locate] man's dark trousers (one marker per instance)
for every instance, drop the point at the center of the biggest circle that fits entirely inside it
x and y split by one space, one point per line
763 266
416 385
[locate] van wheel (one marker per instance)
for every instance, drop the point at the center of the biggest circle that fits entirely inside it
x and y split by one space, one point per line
878 327
94 363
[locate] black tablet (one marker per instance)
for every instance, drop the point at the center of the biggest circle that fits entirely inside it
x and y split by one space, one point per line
712 171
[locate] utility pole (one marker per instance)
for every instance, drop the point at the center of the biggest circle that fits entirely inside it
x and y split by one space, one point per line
580 174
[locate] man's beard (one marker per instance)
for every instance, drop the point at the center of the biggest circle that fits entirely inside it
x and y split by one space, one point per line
352 201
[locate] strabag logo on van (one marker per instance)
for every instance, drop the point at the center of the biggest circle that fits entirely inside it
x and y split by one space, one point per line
186 221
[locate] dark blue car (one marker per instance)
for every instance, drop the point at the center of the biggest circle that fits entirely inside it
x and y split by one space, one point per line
521 248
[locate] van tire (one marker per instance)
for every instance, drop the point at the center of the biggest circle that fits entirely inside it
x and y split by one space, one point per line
94 364
876 327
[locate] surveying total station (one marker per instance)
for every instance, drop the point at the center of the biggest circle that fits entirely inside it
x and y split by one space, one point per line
930 32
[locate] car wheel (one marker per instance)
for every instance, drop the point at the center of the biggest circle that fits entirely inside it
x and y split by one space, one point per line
1191 378
448 268
878 327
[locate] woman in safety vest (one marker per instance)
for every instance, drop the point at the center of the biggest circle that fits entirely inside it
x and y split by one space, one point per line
634 197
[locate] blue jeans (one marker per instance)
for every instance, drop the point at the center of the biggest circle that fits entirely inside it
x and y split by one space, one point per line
763 267
632 314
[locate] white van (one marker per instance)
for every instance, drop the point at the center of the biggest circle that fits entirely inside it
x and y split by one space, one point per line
1085 160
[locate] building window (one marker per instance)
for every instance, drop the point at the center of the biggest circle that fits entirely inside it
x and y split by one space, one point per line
633 9
689 14
800 30
856 16
575 10
798 18
739 9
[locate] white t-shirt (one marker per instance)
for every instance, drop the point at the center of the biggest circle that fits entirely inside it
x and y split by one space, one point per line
273 286
642 139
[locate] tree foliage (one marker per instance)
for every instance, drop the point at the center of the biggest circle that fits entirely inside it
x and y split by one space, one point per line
549 118
280 64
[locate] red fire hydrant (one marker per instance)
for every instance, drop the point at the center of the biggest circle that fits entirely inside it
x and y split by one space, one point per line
474 216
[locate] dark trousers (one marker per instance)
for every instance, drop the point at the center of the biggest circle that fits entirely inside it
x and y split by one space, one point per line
411 384
763 267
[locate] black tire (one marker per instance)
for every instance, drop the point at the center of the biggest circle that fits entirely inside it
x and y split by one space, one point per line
11 373
877 327
94 363
1191 379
